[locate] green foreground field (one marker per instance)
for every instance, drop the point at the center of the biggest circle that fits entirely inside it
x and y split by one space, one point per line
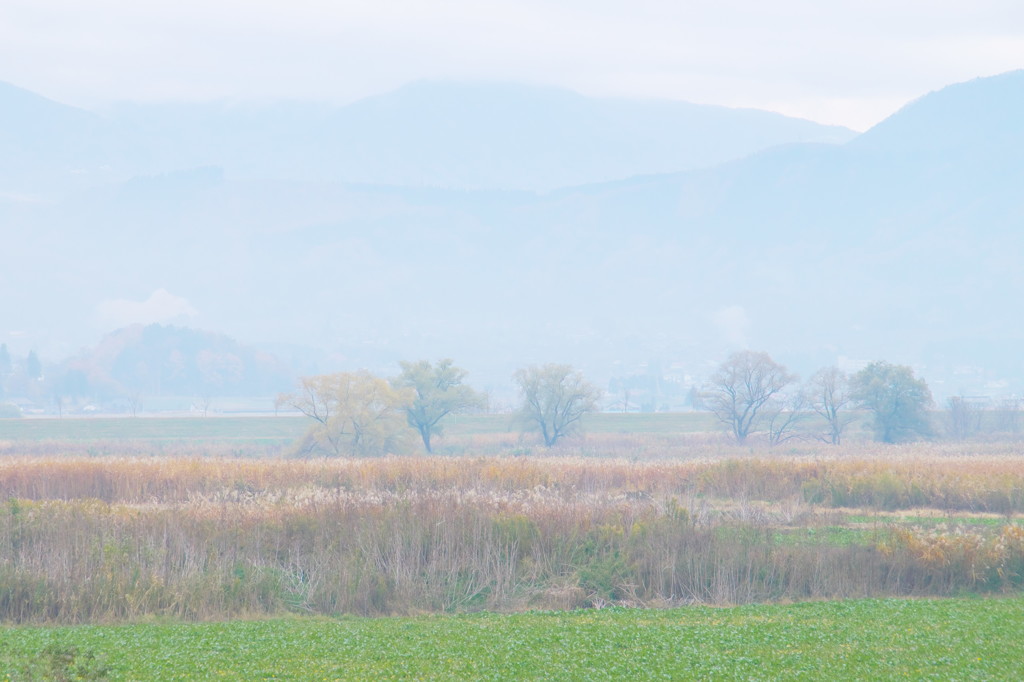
863 639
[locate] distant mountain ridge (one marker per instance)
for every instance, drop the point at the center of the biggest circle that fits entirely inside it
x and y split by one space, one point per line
506 136
42 141
993 107
428 134
897 245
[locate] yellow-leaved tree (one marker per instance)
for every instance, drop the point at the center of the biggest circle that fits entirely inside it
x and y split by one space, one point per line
354 414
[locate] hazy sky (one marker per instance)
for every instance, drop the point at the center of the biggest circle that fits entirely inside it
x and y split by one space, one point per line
836 62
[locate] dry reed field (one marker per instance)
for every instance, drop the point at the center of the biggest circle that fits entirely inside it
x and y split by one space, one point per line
87 538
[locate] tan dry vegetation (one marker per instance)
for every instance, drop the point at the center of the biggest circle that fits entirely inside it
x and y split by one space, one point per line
882 480
93 538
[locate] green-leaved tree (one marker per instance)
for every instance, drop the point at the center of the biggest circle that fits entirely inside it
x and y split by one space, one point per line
436 391
898 400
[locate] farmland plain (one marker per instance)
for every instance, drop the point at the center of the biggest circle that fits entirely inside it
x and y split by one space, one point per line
283 428
124 542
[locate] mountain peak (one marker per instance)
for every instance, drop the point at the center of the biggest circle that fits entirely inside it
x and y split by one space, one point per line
20 107
983 111
498 135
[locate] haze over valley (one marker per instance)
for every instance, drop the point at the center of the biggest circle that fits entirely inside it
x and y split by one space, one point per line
511 340
503 224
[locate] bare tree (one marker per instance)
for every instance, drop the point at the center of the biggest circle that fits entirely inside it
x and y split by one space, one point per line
134 402
964 417
555 398
204 400
743 387
828 395
784 417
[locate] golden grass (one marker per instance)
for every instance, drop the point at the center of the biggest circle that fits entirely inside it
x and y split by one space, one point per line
114 537
889 479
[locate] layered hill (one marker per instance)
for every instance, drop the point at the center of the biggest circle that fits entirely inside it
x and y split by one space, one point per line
429 134
163 360
900 244
48 146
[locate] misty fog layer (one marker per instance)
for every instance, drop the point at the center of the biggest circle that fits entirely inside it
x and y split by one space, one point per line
504 225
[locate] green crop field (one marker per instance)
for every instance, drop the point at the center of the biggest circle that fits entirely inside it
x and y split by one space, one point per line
868 639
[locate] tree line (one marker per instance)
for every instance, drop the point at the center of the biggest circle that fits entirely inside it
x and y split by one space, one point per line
358 413
752 395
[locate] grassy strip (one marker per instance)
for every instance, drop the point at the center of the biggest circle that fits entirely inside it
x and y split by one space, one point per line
265 427
251 429
867 639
